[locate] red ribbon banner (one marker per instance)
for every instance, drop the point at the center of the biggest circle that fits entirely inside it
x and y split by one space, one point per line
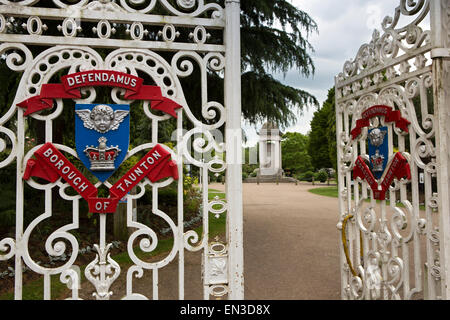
71 84
50 164
380 110
399 168
155 165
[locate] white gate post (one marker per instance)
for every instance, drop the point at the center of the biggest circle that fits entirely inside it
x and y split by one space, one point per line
440 54
341 185
233 142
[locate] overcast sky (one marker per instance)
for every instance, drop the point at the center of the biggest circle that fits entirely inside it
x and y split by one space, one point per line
344 25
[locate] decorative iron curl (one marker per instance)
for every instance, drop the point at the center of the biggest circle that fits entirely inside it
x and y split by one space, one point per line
188 7
386 47
357 284
184 68
138 272
406 8
20 2
5 245
203 142
368 217
395 270
13 153
150 243
399 222
54 249
71 278
191 241
14 60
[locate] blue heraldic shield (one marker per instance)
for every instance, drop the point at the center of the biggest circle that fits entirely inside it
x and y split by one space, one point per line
378 150
102 136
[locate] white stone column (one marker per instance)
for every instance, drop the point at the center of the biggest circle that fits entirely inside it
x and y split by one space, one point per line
280 159
277 155
262 144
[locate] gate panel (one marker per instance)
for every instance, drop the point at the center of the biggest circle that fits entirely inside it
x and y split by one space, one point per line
159 43
393 203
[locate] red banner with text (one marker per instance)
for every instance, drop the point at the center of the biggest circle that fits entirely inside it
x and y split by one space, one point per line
398 168
379 110
50 164
70 85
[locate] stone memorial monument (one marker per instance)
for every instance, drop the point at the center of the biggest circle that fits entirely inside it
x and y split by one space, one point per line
270 163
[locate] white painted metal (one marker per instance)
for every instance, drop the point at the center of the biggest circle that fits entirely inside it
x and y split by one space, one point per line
233 136
439 11
67 50
398 249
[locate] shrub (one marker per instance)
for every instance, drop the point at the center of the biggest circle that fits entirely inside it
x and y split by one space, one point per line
8 218
168 195
188 182
249 168
307 176
321 176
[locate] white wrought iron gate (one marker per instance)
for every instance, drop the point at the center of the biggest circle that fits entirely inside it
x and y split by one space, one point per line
58 45
392 121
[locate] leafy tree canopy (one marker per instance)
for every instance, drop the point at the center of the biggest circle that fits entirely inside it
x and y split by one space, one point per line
331 127
274 39
294 152
322 137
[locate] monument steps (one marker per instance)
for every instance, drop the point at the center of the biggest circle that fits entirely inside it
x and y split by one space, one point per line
271 179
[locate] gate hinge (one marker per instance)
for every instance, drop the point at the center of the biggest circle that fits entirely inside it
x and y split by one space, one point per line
440 53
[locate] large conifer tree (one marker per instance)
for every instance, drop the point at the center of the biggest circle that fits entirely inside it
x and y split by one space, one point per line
274 39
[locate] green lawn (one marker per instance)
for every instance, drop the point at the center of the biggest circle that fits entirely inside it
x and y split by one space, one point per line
333 192
325 191
34 289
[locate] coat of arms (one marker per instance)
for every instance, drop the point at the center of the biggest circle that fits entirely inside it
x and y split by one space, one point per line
102 136
381 169
378 150
102 133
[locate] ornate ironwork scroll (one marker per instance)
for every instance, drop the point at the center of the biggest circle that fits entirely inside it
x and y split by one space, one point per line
393 233
162 42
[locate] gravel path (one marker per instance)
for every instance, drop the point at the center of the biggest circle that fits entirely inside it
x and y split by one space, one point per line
291 244
291 250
